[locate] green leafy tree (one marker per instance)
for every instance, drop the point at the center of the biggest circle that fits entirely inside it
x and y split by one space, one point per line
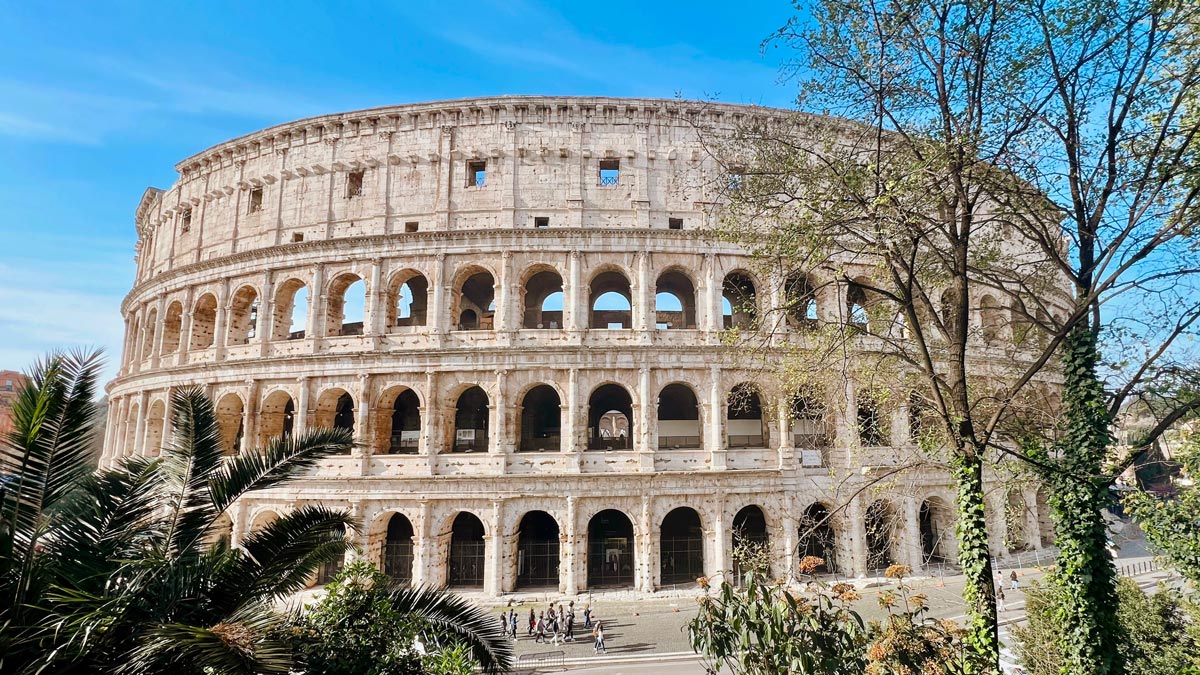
363 625
1172 524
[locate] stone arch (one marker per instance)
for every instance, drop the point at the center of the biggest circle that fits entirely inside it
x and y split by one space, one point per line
277 417
610 550
221 532
674 300
871 422
750 534
610 418
1045 522
800 298
745 422
818 538
681 547
172 327
471 420
156 425
474 304
466 560
881 526
810 421
1016 512
610 300
859 305
243 316
679 417
396 537
204 322
407 299
231 421
290 315
541 420
739 300
131 419
335 409
538 544
542 298
343 313
936 523
149 326
991 319
398 421
262 519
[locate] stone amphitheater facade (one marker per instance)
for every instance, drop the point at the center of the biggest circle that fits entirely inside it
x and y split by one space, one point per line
512 432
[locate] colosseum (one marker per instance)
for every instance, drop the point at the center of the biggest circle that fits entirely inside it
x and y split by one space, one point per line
517 307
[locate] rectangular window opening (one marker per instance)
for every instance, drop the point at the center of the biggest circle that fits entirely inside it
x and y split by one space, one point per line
477 173
256 197
675 223
541 221
610 171
354 184
185 222
411 226
297 237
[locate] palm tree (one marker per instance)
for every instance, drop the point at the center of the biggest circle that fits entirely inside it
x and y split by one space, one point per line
122 570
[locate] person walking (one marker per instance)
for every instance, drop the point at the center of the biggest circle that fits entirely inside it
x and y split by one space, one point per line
554 631
539 632
598 633
587 616
503 624
532 622
1000 600
1012 581
512 619
570 636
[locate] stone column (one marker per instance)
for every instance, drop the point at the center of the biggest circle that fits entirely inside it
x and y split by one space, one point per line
160 317
237 529
266 307
642 441
250 422
912 553
570 563
374 311
185 327
504 297
436 316
219 329
857 530
790 544
643 300
712 297
787 444
1033 526
422 551
426 444
314 324
139 435
716 420
363 436
646 554
575 315
572 428
497 436
300 423
720 538
357 511
493 583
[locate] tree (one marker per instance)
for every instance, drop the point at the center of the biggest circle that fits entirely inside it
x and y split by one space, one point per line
1030 153
1172 524
364 625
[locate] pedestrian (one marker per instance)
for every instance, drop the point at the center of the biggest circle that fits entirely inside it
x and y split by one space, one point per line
539 632
598 633
554 631
587 616
570 627
1000 600
532 622
512 618
1012 581
503 624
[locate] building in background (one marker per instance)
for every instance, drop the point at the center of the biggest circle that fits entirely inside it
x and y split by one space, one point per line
10 382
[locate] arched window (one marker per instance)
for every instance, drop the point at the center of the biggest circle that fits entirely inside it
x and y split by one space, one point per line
681 547
674 301
991 317
172 326
243 316
610 561
537 551
231 423
543 301
810 428
936 520
408 300
476 302
800 296
278 417
335 409
398 550
148 339
345 308
156 423
610 301
466 559
751 538
610 418
678 417
873 429
817 538
204 322
290 315
541 414
402 431
744 423
1016 533
856 308
471 421
881 524
739 301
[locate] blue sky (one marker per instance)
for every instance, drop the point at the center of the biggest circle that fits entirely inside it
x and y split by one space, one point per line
99 100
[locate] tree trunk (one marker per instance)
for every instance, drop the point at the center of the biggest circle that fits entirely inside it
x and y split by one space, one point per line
981 641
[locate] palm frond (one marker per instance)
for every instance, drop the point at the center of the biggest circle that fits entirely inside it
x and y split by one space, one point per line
450 614
238 644
283 459
190 458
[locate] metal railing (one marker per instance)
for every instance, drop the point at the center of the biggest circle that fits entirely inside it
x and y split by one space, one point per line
610 180
740 441
1134 569
528 663
618 443
672 442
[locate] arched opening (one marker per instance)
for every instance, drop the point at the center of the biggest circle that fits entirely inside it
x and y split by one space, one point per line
335 409
1016 535
204 322
857 316
1045 522
408 300
610 300
610 550
810 428
681 547
345 307
243 316
922 421
800 296
541 412
231 423
678 417
543 301
872 426
936 520
674 301
471 421
466 552
739 301
172 328
330 569
610 418
150 325
290 314
537 551
402 430
750 541
881 525
130 442
262 520
398 550
277 417
156 423
817 538
221 533
476 302
744 422
991 317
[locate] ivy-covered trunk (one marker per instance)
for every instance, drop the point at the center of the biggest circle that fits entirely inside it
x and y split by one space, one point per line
981 641
1078 493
